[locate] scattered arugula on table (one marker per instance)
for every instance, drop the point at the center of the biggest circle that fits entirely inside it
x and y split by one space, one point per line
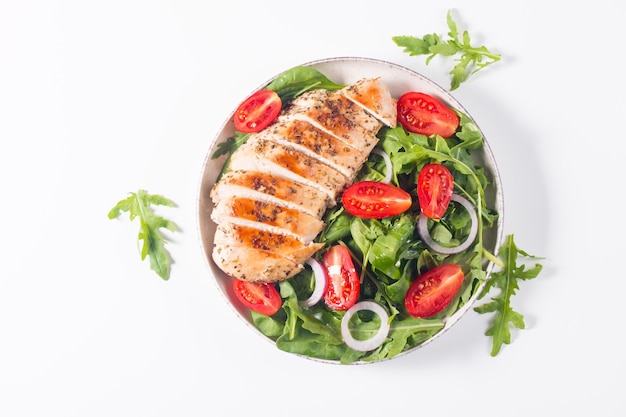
138 205
470 58
506 280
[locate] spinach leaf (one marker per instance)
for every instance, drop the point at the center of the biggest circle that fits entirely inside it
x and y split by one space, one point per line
300 79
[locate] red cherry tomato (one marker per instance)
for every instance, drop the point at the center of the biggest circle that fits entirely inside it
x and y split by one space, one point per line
432 291
257 111
435 185
424 114
375 200
344 284
261 297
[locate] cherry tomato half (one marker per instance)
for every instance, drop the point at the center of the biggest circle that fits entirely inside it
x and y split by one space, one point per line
375 200
344 284
261 297
432 291
257 111
424 114
435 185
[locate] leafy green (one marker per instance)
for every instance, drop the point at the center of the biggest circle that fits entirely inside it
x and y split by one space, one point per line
469 58
298 80
230 145
506 280
138 205
390 254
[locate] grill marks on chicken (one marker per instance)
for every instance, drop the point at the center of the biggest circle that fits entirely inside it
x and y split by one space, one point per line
269 205
258 245
274 158
306 138
247 211
372 96
263 186
336 115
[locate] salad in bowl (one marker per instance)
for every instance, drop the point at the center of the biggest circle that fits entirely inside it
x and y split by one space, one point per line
350 210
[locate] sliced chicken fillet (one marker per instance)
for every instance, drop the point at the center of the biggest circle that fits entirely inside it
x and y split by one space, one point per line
267 266
270 188
244 238
270 203
267 216
340 118
266 156
307 138
373 96
332 107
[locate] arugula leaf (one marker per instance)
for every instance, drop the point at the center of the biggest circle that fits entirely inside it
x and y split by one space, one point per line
470 58
139 205
230 145
507 281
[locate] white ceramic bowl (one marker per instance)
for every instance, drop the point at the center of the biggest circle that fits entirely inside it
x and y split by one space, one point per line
347 70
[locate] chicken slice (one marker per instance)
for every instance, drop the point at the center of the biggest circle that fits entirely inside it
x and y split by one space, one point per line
338 116
266 156
270 188
305 137
373 96
239 242
266 266
267 216
334 107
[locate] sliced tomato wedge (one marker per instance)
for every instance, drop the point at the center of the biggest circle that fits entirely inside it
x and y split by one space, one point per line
424 114
432 291
435 185
261 297
375 200
342 290
257 111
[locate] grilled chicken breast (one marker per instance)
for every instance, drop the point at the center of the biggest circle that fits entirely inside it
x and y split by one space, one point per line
249 248
268 216
267 187
268 266
274 158
337 116
306 138
373 96
269 204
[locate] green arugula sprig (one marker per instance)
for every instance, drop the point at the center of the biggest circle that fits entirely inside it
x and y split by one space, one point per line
139 205
506 280
471 57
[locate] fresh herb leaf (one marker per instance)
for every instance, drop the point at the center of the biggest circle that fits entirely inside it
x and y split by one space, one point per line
230 145
506 280
139 205
469 58
300 79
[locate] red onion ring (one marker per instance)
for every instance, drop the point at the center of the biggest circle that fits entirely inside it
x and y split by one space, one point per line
373 342
320 283
422 229
389 168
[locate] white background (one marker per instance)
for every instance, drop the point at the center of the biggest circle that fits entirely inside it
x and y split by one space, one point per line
98 99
